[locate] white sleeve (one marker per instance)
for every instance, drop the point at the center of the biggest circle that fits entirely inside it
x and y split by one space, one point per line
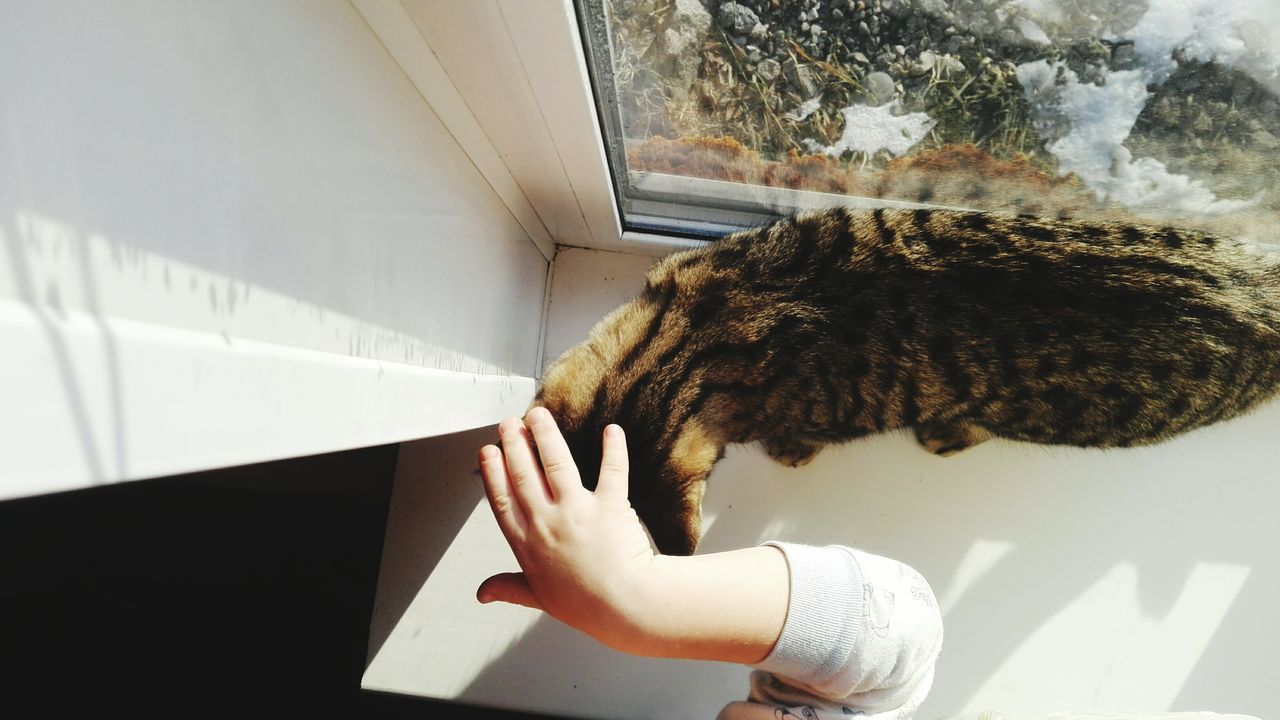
862 635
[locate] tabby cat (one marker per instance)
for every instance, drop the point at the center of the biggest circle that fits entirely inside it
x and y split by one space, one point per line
963 326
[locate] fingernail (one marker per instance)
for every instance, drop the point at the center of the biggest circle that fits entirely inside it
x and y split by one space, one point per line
613 431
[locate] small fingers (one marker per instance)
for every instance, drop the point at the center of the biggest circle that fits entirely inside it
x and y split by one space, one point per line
527 483
557 462
613 464
497 488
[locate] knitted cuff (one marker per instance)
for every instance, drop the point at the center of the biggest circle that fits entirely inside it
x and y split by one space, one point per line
823 617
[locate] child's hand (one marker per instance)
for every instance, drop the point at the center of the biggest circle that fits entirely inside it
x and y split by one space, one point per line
588 562
585 554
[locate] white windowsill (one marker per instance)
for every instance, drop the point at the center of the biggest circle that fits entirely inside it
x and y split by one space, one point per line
102 400
728 206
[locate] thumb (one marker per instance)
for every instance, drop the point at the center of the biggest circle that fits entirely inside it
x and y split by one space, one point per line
508 588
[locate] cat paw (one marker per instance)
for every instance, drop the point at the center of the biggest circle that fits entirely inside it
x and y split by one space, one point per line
791 453
947 440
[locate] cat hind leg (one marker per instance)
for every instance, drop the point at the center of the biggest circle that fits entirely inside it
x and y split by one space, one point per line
790 451
948 439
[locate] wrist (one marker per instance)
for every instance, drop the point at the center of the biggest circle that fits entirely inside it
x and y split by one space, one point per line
633 613
727 606
652 613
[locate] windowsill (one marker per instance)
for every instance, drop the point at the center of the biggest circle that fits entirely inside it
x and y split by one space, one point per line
103 400
661 203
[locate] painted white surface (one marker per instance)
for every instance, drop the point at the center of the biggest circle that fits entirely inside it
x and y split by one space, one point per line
550 47
245 171
393 25
474 45
585 286
123 399
1138 580
523 108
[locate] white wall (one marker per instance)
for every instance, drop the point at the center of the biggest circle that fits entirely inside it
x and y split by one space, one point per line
1140 580
251 181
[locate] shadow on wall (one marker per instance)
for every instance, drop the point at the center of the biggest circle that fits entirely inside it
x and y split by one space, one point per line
48 311
339 212
1069 580
552 666
437 487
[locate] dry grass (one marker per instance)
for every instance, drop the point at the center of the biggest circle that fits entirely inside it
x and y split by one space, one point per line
980 104
955 175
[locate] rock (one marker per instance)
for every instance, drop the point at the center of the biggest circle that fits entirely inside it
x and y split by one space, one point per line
951 64
690 22
1123 56
768 69
861 58
1188 82
1266 140
924 64
1093 73
1165 112
1202 123
737 19
801 77
881 86
1241 92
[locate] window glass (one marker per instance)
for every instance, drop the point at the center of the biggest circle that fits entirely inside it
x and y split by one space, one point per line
722 113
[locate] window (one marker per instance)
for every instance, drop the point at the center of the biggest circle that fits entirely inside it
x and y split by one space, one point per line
721 114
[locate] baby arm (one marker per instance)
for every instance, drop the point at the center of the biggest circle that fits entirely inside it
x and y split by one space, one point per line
831 628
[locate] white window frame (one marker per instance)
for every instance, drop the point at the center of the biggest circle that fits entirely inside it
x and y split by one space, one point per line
538 43
545 48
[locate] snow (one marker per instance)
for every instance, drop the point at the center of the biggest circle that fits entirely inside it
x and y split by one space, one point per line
1031 31
1205 30
870 130
1046 10
806 108
1099 118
